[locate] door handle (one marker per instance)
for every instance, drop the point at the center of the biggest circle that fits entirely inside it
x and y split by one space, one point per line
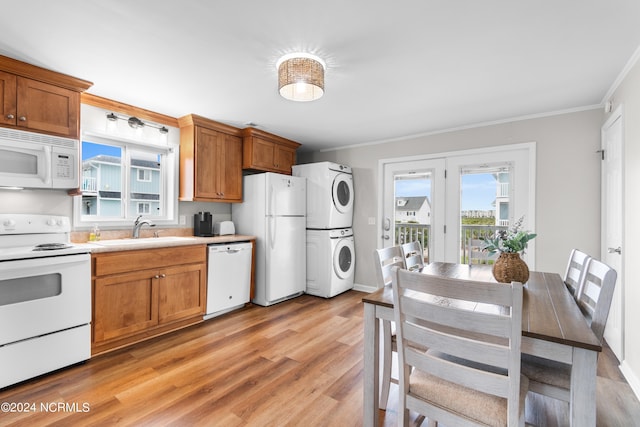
385 237
617 250
387 224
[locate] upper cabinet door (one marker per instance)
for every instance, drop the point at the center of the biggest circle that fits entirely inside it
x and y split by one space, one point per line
230 179
284 158
206 155
47 108
210 161
263 151
8 94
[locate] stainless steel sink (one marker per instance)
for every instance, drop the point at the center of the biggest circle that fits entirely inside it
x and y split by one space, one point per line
141 241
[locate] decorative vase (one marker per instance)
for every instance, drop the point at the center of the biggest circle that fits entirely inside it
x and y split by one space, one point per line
509 267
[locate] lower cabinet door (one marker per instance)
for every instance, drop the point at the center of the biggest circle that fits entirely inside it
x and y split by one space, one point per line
125 304
181 292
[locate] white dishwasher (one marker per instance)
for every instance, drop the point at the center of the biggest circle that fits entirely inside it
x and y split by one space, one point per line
228 277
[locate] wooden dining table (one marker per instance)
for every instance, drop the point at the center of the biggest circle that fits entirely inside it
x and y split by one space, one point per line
553 327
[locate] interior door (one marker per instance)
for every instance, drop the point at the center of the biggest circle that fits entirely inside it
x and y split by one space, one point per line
413 205
612 225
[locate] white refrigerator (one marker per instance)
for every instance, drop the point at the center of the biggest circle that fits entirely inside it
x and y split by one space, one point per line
274 210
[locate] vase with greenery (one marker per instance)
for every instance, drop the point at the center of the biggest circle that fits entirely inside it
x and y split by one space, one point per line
510 244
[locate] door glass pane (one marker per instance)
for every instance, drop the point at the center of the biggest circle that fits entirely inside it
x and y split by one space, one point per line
101 180
484 209
412 214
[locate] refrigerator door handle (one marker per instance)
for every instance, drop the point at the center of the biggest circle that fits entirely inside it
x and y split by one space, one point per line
272 218
272 231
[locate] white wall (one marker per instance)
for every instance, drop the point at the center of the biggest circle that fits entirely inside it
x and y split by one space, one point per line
568 181
627 94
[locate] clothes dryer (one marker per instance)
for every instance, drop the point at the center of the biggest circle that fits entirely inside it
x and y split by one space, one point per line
330 262
329 194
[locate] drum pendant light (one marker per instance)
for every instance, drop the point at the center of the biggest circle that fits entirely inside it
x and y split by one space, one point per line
301 77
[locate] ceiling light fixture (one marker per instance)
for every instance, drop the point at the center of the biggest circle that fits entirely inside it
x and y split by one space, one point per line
136 123
301 77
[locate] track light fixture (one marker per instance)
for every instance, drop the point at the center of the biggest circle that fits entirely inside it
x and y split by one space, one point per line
136 123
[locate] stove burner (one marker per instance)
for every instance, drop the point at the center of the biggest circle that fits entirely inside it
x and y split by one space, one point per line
51 246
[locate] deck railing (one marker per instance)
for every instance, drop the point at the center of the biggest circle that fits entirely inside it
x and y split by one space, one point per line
471 241
89 184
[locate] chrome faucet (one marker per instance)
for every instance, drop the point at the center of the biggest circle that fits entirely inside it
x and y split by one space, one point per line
138 225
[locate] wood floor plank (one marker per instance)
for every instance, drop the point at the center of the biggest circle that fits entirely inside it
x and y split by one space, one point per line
296 363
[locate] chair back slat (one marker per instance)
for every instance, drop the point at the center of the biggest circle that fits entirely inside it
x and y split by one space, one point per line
596 293
384 260
413 255
575 271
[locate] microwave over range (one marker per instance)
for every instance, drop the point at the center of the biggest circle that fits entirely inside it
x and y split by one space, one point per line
32 160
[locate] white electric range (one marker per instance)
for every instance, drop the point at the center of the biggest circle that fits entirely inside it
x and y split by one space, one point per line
45 297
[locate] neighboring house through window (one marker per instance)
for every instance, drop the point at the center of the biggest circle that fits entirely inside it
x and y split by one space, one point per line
413 209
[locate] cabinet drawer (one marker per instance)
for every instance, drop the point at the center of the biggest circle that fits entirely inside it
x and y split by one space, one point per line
126 261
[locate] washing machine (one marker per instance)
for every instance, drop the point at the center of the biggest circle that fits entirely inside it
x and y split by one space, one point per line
330 262
329 194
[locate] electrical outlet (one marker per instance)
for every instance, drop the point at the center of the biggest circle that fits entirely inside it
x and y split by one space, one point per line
372 220
183 220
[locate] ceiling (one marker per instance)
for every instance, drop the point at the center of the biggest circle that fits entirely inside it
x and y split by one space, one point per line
394 68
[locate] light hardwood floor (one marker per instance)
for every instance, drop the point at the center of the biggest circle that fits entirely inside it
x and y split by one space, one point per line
298 363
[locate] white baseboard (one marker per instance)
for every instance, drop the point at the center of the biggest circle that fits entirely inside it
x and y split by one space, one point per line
631 378
364 288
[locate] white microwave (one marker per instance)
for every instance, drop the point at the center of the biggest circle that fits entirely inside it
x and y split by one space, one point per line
32 160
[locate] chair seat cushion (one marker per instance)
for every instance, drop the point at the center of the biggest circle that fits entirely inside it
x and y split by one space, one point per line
480 407
546 371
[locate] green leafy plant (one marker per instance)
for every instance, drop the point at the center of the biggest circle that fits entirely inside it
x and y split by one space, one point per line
513 240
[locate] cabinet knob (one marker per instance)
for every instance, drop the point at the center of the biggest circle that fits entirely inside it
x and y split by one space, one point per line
22 119
156 277
10 116
163 276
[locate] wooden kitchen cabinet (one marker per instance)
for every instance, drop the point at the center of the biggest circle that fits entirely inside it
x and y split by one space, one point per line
263 151
210 161
145 293
39 100
125 304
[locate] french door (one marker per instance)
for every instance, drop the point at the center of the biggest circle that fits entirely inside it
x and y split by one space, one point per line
451 201
414 207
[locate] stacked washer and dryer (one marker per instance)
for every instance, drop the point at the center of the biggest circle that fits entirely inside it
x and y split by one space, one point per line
330 244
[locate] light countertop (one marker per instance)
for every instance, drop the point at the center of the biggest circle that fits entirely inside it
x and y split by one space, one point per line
128 244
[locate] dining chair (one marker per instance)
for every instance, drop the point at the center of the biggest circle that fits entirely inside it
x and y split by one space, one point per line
471 373
475 253
575 271
384 260
413 255
594 296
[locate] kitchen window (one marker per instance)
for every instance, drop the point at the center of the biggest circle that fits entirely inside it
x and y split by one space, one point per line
125 174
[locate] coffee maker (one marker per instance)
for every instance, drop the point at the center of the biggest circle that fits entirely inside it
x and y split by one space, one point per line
203 224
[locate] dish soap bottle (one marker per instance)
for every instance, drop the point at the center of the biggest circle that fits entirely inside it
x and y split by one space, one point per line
94 236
